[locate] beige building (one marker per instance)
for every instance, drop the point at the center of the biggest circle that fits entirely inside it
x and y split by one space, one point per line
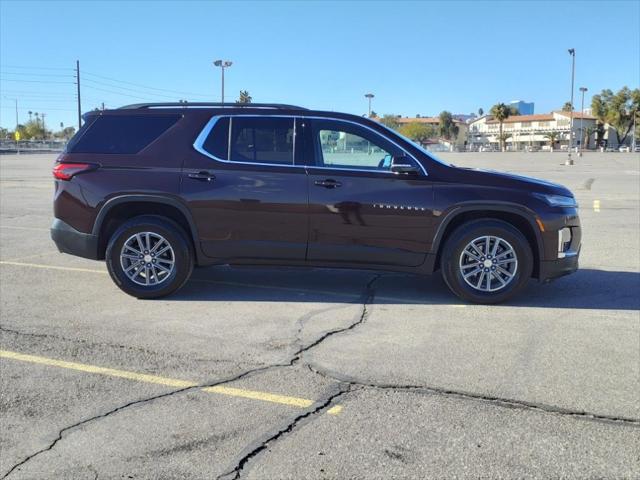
530 131
459 141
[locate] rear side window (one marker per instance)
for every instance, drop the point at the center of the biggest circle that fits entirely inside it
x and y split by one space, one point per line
121 134
252 140
262 140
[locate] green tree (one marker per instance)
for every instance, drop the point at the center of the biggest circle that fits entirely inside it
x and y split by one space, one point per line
480 112
390 121
244 97
65 133
617 109
567 107
502 138
447 128
418 132
373 114
553 138
501 112
4 133
587 132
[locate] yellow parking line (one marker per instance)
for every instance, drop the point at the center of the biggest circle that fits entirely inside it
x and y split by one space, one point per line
170 382
139 377
14 227
596 205
52 267
264 396
20 259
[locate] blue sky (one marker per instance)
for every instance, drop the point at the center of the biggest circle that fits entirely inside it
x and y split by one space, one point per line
416 57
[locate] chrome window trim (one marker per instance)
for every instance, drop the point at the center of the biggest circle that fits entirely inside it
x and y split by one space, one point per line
375 133
202 137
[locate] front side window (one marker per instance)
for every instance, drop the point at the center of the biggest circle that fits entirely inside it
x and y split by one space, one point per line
345 145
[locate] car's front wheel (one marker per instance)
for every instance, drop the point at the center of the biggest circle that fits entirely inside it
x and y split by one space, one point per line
486 261
149 257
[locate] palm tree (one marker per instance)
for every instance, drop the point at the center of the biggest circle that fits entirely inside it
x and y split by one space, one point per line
553 138
244 97
30 113
501 112
502 138
586 135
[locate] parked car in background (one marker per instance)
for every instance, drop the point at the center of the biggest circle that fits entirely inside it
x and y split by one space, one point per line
611 149
156 189
624 148
637 148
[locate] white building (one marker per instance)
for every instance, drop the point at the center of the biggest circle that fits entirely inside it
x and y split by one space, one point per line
531 131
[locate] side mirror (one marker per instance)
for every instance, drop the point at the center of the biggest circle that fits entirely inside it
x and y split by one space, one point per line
405 168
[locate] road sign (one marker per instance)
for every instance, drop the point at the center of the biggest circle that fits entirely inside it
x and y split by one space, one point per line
17 136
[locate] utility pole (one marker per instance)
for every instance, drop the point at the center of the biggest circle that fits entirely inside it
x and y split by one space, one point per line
223 64
78 85
44 128
582 89
572 52
369 96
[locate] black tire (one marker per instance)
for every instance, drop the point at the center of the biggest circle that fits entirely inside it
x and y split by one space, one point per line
174 236
466 233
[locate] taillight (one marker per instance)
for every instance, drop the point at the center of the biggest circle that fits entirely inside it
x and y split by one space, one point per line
66 171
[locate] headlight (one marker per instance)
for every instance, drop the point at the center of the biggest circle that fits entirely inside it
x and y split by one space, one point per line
557 200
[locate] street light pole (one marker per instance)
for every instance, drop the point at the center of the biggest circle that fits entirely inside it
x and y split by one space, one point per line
582 89
369 96
572 52
222 64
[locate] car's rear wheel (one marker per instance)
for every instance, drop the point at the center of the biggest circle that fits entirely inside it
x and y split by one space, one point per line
149 257
486 261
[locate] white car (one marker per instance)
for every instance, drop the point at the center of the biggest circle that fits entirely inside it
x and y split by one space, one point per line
624 148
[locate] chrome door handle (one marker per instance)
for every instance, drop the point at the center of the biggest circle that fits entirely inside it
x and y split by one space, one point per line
203 176
328 183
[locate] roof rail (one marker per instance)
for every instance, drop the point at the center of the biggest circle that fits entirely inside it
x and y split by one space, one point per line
277 106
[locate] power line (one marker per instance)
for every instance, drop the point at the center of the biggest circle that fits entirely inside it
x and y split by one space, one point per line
145 86
6 107
33 81
128 89
4 72
37 68
117 93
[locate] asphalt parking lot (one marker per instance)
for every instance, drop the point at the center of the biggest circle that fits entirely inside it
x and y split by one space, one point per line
293 373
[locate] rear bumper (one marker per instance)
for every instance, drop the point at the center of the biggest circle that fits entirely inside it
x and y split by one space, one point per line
71 241
558 268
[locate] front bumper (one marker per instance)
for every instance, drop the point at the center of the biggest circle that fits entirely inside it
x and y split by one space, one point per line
560 267
562 242
71 241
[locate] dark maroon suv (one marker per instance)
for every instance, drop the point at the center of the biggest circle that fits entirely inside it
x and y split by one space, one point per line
158 188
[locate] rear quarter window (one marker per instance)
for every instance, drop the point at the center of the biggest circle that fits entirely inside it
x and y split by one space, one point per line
121 134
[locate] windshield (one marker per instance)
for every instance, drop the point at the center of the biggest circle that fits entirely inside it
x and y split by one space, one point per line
429 154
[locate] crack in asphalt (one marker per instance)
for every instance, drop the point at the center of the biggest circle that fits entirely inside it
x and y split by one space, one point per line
259 445
64 430
366 297
118 346
262 444
494 400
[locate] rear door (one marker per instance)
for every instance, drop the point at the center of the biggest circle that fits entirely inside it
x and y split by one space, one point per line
246 186
360 211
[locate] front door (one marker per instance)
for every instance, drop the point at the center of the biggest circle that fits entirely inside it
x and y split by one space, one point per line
248 190
360 211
